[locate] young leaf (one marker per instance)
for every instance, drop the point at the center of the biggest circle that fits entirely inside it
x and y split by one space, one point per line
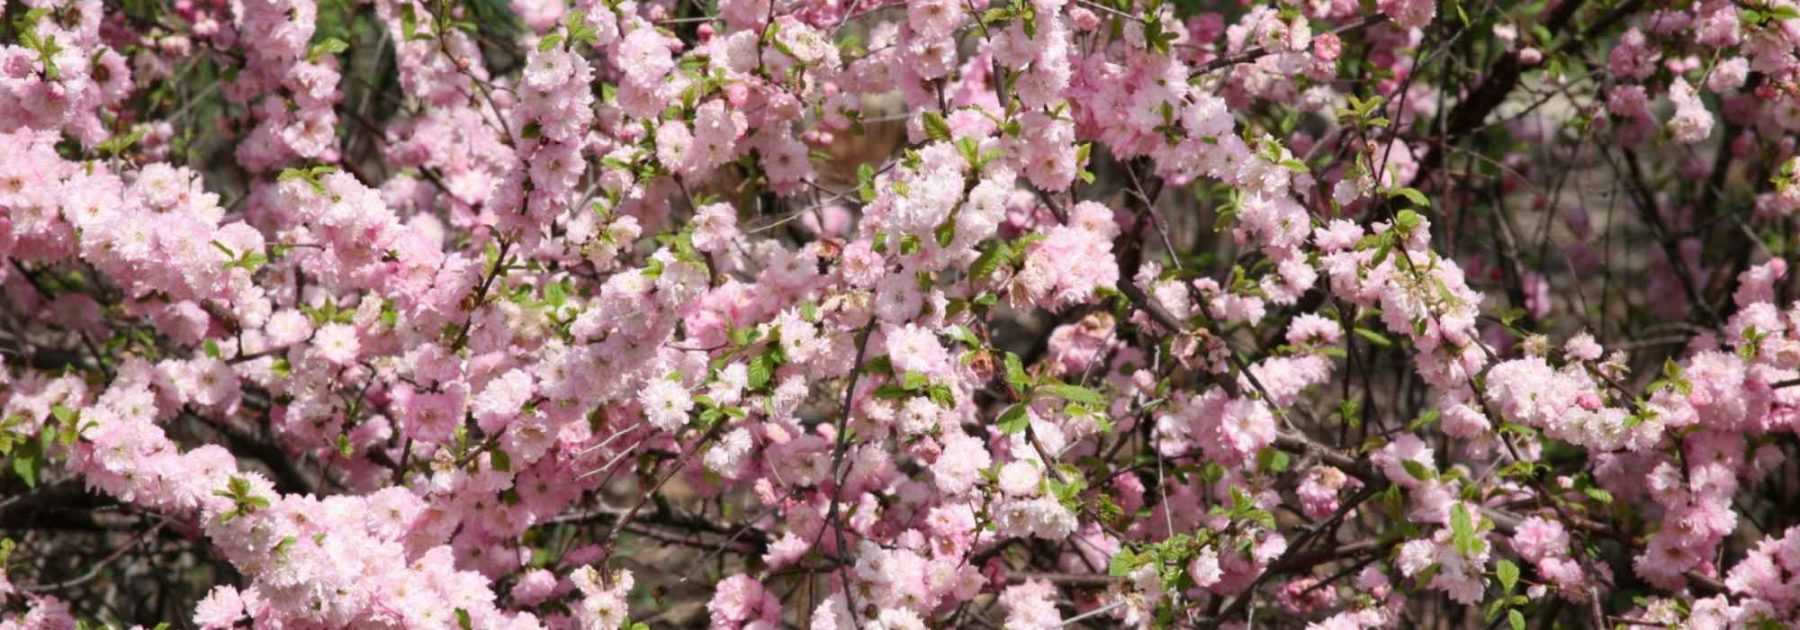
998 253
1407 220
330 46
1015 373
1508 574
762 368
1272 460
936 128
865 183
26 460
1418 470
1075 393
1014 419
1462 531
1374 337
1411 194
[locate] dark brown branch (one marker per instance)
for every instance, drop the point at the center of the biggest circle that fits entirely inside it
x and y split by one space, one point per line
1502 78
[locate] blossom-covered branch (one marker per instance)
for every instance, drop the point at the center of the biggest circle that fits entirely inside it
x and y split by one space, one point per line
875 314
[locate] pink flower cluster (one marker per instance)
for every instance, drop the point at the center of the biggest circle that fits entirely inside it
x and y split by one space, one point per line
1010 313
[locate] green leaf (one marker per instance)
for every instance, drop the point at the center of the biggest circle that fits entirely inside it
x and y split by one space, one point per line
946 233
1212 472
1408 220
971 151
501 461
26 460
1462 531
121 143
1123 563
328 46
1425 419
308 175
1350 411
1515 619
1598 494
1374 337
936 128
1272 460
1015 373
250 261
1508 574
996 254
865 183
1014 419
1067 493
409 22
212 349
1418 470
1075 393
780 45
1492 611
1381 253
941 395
881 364
1411 194
462 619
762 368
739 337
556 295
282 546
579 29
913 381
963 335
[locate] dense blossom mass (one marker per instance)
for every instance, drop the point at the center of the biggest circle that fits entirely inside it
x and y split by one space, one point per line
847 314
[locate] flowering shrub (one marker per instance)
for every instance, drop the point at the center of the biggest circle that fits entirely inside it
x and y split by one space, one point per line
1017 313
